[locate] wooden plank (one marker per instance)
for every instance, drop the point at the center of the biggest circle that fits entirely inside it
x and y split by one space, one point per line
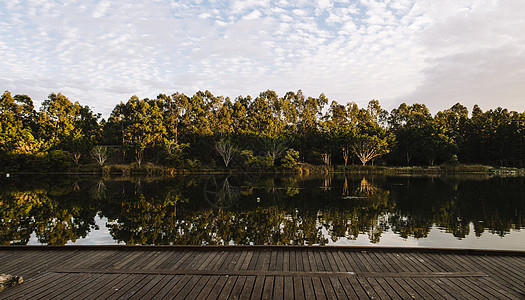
191 260
157 261
342 291
176 263
227 288
142 259
105 291
125 259
361 281
410 263
197 264
400 292
308 288
399 263
265 260
418 286
433 262
205 291
248 287
377 287
279 265
312 261
293 260
328 261
158 290
318 288
508 267
460 292
74 282
288 287
370 262
286 261
268 288
151 282
474 287
355 261
45 284
319 261
436 285
329 289
496 271
234 261
175 289
240 260
227 260
73 293
188 287
166 285
302 261
298 289
384 259
172 260
278 287
253 262
272 265
208 261
493 286
258 287
37 286
217 288
247 260
129 288
218 261
402 284
238 287
96 285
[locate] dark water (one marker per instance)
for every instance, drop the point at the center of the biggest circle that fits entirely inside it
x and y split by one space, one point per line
459 212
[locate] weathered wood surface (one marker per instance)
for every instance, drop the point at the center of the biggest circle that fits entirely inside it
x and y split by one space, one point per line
261 273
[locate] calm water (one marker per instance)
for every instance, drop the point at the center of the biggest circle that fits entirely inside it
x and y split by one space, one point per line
459 212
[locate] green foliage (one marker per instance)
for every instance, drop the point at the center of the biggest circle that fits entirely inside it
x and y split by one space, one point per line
171 129
253 162
290 159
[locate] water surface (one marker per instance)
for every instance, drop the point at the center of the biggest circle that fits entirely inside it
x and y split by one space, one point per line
461 212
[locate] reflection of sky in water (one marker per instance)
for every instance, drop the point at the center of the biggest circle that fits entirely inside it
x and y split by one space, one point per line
437 238
100 236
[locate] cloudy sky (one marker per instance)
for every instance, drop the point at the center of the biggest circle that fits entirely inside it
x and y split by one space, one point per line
102 52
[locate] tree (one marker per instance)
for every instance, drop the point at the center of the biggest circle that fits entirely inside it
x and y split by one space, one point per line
368 147
100 154
226 150
346 154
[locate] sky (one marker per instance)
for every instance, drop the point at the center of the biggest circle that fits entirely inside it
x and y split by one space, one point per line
100 53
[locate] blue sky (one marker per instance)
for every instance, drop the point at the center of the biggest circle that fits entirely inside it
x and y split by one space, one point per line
102 52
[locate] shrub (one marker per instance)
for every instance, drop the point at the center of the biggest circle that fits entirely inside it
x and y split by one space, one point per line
290 159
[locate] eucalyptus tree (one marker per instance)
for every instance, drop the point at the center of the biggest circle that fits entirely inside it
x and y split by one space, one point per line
141 125
413 128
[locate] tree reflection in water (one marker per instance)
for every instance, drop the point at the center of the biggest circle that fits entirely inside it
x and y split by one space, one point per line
264 209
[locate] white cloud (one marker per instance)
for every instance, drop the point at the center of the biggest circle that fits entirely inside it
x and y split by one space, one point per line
103 52
253 15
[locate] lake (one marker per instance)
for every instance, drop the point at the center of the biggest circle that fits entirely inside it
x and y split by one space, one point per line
475 212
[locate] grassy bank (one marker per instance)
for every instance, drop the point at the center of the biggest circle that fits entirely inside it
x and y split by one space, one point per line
150 169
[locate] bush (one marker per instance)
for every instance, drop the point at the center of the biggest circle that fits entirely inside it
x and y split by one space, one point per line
290 159
256 162
59 160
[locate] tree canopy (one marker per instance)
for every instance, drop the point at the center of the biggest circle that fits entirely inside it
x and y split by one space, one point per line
181 131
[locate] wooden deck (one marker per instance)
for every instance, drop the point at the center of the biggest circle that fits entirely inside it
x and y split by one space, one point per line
76 272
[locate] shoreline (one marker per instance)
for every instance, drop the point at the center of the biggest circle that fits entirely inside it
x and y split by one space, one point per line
301 169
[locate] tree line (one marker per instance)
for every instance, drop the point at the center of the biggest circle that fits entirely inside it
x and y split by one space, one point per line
266 132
